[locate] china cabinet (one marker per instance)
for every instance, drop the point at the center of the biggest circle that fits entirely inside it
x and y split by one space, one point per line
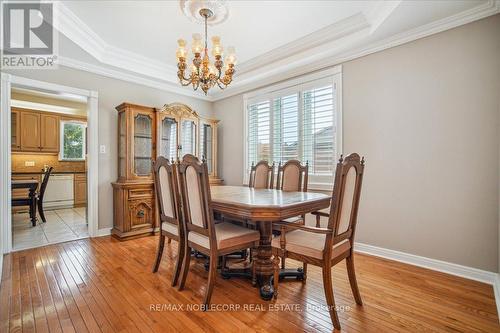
145 133
134 211
182 131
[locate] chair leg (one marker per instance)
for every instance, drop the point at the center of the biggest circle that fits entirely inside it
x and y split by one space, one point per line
276 275
352 279
212 273
282 262
159 253
185 266
330 301
304 269
254 268
178 263
40 210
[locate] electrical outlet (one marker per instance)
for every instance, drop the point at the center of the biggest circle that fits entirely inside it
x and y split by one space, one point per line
102 149
29 163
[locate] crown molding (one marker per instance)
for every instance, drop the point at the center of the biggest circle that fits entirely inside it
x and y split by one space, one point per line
82 35
331 47
293 69
131 77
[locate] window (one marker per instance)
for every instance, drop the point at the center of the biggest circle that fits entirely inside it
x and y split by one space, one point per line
299 122
72 142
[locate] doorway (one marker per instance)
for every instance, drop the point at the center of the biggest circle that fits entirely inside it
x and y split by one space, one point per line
63 120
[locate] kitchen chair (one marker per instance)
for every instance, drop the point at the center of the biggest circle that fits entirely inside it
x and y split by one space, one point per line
41 193
325 247
292 176
38 198
167 192
201 232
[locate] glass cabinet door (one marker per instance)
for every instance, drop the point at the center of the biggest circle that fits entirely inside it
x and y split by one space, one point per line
168 144
122 149
206 141
188 137
143 139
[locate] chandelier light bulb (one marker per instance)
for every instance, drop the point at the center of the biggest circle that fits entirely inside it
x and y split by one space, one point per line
181 50
197 45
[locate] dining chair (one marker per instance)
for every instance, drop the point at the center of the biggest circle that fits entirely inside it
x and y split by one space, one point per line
38 198
261 175
292 176
325 247
201 231
167 192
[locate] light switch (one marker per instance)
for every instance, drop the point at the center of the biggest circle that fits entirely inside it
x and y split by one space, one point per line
29 163
102 149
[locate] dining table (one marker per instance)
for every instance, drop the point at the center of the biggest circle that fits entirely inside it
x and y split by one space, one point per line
263 207
31 185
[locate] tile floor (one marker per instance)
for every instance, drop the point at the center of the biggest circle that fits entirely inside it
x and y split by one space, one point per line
62 225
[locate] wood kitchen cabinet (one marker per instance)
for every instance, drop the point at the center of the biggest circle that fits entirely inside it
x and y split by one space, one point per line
35 131
30 131
49 133
15 131
80 189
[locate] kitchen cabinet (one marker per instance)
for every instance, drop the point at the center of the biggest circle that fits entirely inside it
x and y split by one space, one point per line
49 131
30 131
80 189
34 131
15 131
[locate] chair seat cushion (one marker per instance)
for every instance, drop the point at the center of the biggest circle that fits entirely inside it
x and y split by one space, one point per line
309 244
227 235
170 228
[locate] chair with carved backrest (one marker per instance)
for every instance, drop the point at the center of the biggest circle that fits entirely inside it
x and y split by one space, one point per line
167 192
201 231
325 247
292 176
261 175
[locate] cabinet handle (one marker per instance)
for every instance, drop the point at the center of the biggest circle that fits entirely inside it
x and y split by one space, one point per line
140 213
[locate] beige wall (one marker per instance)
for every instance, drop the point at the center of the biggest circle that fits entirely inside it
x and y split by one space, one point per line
426 117
111 93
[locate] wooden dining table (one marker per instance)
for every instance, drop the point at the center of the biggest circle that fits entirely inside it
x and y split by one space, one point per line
263 207
31 185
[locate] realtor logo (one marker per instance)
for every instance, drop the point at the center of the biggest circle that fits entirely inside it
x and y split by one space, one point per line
28 35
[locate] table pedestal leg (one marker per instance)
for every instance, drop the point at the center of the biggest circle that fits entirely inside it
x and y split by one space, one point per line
264 264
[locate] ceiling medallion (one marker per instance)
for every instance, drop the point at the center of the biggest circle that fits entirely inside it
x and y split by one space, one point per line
191 8
203 72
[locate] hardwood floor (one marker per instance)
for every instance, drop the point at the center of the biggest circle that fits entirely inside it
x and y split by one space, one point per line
101 284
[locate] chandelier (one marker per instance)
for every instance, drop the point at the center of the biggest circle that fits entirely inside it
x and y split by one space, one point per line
203 73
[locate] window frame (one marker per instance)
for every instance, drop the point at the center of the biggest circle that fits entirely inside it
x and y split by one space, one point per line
330 76
61 140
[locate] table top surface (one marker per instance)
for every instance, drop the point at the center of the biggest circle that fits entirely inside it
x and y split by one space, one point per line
265 198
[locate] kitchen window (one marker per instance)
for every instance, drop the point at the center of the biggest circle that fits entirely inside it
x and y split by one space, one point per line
301 122
72 141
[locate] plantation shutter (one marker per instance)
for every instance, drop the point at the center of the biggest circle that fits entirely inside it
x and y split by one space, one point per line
319 130
259 132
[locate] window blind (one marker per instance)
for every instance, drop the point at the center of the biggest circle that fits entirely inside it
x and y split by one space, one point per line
296 123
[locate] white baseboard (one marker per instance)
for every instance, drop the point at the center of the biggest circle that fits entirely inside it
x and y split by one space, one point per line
436 265
103 232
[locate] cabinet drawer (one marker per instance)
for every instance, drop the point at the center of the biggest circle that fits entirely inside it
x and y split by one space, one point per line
140 193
